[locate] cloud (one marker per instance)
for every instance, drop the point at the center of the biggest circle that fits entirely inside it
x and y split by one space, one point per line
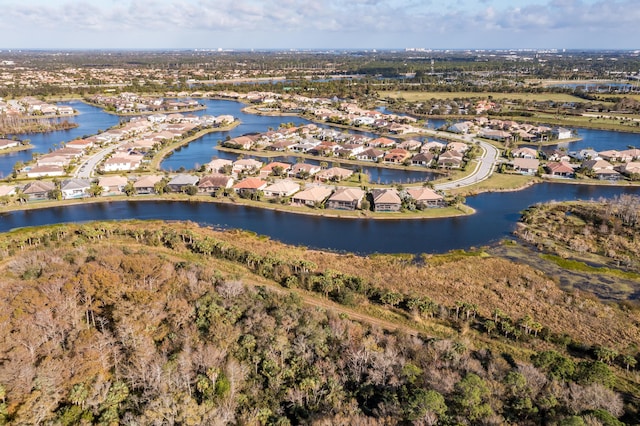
412 19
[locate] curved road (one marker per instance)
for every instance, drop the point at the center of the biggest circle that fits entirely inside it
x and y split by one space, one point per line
484 168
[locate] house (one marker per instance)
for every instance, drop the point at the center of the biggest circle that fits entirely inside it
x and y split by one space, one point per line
281 169
410 145
112 185
585 154
557 155
211 183
426 197
38 190
381 143
386 200
303 170
450 160
179 182
460 147
146 184
243 142
561 133
74 188
41 171
560 169
524 152
397 155
612 155
218 164
311 196
423 159
526 166
250 185
601 169
246 165
630 168
370 154
496 135
52 160
282 188
346 199
630 154
334 174
6 190
282 145
8 143
460 128
432 146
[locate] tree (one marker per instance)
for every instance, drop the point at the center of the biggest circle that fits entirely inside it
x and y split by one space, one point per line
129 189
471 396
95 190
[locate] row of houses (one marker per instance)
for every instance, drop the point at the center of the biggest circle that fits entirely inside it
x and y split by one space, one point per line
29 106
330 143
508 130
344 198
127 102
604 165
141 136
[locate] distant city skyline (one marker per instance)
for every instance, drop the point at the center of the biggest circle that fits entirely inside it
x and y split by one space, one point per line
312 24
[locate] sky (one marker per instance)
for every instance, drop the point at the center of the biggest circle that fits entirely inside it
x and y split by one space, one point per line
319 24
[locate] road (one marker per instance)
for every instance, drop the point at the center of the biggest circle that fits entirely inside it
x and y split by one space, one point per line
484 168
85 171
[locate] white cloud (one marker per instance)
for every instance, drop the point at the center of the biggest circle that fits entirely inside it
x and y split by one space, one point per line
401 21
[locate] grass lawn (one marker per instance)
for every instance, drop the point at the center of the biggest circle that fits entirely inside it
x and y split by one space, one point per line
497 182
415 96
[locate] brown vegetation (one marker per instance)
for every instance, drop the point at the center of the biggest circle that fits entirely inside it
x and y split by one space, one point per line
172 323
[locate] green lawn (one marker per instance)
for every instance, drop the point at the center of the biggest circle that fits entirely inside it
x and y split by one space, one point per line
417 96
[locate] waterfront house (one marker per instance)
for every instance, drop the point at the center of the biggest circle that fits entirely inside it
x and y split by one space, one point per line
526 166
38 190
612 155
346 199
601 169
218 164
460 128
146 184
630 168
333 174
74 188
397 155
303 170
282 145
8 143
248 165
381 143
282 169
312 196
386 200
250 185
52 159
282 188
370 154
561 133
423 159
450 160
179 182
112 185
630 154
560 169
211 183
410 145
426 197
524 152
496 135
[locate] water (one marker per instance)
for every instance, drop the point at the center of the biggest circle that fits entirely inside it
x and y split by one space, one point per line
91 120
495 218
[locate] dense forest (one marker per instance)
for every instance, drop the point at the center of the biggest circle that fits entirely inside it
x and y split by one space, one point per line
154 323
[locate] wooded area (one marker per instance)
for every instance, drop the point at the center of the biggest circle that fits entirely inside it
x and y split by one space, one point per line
153 323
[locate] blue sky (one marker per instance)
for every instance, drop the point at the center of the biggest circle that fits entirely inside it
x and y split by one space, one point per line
436 24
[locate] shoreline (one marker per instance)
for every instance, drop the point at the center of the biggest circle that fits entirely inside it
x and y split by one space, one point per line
16 149
183 198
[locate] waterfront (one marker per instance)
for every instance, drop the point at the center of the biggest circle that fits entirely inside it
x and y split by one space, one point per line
495 217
